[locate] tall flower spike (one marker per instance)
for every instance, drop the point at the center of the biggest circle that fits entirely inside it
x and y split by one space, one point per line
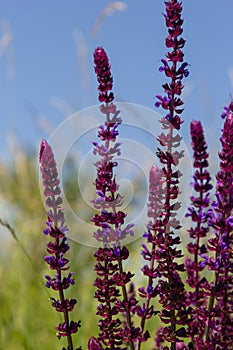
58 245
163 233
173 65
115 333
219 314
198 212
155 209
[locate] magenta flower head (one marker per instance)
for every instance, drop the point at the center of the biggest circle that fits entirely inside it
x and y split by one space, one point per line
202 180
198 212
110 220
112 282
102 70
173 66
58 245
162 250
51 186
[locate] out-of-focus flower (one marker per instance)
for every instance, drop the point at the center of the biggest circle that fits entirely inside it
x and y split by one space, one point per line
58 245
219 314
111 229
198 212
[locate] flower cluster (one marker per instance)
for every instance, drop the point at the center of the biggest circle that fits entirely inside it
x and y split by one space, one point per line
155 206
115 333
161 251
198 212
58 245
219 314
110 221
102 70
195 295
173 65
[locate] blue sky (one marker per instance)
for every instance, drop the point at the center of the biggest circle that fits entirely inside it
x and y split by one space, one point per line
46 52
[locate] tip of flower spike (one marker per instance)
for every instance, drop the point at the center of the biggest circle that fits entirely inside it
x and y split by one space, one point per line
42 148
100 58
104 77
99 51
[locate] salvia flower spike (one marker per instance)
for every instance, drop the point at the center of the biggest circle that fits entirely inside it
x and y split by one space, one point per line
173 65
198 212
219 314
161 251
58 246
104 77
115 333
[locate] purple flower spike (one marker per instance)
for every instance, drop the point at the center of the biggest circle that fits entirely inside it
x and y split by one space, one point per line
173 66
48 168
58 246
198 212
161 251
111 228
219 316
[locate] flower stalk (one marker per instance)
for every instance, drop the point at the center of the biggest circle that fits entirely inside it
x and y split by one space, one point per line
198 212
220 311
162 228
58 245
114 333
